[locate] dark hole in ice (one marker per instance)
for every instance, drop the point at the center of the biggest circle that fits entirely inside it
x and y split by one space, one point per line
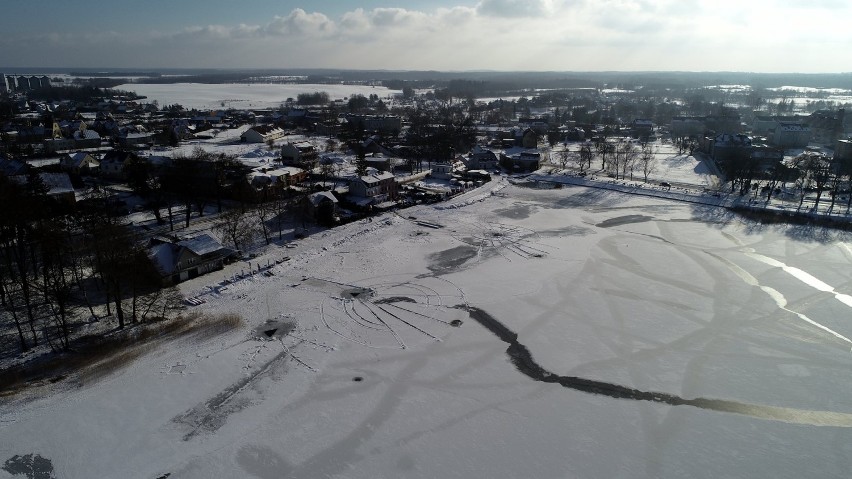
357 379
456 323
356 292
270 332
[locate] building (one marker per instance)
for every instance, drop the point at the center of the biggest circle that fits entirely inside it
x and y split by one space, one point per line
790 135
642 127
481 159
442 171
322 207
277 178
687 126
827 126
59 187
726 146
763 125
84 138
10 167
376 186
523 161
79 163
298 152
262 134
380 123
135 140
843 150
188 258
112 164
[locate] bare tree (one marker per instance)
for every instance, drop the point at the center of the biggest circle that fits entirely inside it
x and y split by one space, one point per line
586 154
647 161
237 227
563 157
263 213
627 162
815 172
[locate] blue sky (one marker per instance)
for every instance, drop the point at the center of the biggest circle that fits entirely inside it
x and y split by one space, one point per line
588 35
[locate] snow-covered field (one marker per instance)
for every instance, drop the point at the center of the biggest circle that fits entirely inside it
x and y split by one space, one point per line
242 96
568 332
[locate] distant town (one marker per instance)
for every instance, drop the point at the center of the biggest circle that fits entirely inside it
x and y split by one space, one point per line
110 198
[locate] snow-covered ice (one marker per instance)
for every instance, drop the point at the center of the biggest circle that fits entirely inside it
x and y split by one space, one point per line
571 332
244 95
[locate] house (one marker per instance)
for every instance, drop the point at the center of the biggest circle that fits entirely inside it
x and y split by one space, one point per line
572 133
791 135
79 163
728 121
322 207
12 167
727 146
59 187
827 126
85 138
298 153
374 186
373 145
642 127
129 140
112 164
278 178
763 125
686 126
529 160
382 123
188 258
481 159
843 150
262 134
443 171
527 138
54 145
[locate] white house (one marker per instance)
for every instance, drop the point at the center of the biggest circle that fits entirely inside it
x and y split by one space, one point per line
262 134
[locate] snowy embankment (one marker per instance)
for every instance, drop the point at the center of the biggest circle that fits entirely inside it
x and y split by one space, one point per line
684 194
474 196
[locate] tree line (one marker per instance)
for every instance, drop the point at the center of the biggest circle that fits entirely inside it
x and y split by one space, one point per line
61 267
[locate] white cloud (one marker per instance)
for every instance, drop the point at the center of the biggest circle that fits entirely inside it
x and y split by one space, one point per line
299 22
515 8
494 34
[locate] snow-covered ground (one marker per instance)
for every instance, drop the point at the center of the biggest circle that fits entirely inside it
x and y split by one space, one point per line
571 332
242 96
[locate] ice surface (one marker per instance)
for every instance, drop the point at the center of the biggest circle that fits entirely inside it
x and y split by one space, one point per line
671 300
243 96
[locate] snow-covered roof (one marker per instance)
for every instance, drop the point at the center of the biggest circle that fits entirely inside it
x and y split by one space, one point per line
320 196
201 244
57 182
163 256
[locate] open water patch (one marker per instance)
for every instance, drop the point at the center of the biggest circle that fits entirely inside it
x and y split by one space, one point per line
273 329
31 466
450 260
522 359
624 220
516 211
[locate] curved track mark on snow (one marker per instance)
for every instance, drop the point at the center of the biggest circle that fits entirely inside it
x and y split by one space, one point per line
522 358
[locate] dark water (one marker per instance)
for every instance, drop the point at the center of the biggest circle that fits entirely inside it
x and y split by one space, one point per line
524 362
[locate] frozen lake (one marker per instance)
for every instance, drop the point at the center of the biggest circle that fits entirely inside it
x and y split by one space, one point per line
571 332
243 96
